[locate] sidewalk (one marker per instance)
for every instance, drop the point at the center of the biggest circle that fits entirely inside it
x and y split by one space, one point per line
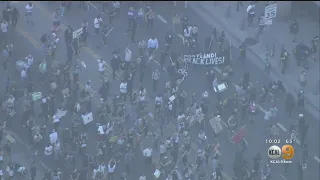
278 34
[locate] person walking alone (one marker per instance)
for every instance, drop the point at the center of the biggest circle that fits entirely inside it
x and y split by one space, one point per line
15 17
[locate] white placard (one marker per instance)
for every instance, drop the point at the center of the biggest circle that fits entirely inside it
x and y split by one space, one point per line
77 33
60 113
172 98
87 118
265 22
100 130
270 11
53 137
157 173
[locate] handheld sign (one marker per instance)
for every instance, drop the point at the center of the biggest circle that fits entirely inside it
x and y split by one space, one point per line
77 33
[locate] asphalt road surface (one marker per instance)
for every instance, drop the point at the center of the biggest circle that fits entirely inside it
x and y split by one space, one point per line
195 81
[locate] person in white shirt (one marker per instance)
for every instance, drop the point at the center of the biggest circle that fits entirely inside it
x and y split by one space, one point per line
158 100
152 46
23 74
187 34
111 168
128 55
48 150
97 21
102 68
142 177
29 61
251 13
4 27
162 149
29 8
148 154
123 90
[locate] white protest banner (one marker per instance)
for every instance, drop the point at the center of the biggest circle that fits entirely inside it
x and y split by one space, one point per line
53 137
87 118
205 59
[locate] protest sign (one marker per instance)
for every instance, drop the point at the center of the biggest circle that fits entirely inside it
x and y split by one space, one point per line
53 137
60 113
36 96
157 173
205 59
87 118
10 139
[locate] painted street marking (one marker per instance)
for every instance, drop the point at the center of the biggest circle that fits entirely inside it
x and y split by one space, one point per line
283 177
162 18
261 108
16 137
317 159
224 123
226 176
181 37
281 127
92 4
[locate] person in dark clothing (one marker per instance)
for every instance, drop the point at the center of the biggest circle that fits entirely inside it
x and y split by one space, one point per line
289 104
6 14
15 17
69 54
68 35
69 4
105 33
243 52
115 63
142 72
163 57
209 41
33 172
104 90
85 32
111 14
294 29
133 30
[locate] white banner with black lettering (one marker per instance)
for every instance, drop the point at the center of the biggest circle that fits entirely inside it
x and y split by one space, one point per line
209 59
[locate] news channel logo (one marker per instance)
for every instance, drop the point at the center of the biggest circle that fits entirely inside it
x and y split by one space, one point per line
286 152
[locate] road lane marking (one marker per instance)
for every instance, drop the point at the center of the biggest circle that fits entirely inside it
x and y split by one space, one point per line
16 137
218 70
283 177
89 50
181 37
92 4
282 127
317 159
261 108
162 19
28 37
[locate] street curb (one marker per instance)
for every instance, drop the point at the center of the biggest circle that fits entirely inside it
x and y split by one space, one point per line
311 107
